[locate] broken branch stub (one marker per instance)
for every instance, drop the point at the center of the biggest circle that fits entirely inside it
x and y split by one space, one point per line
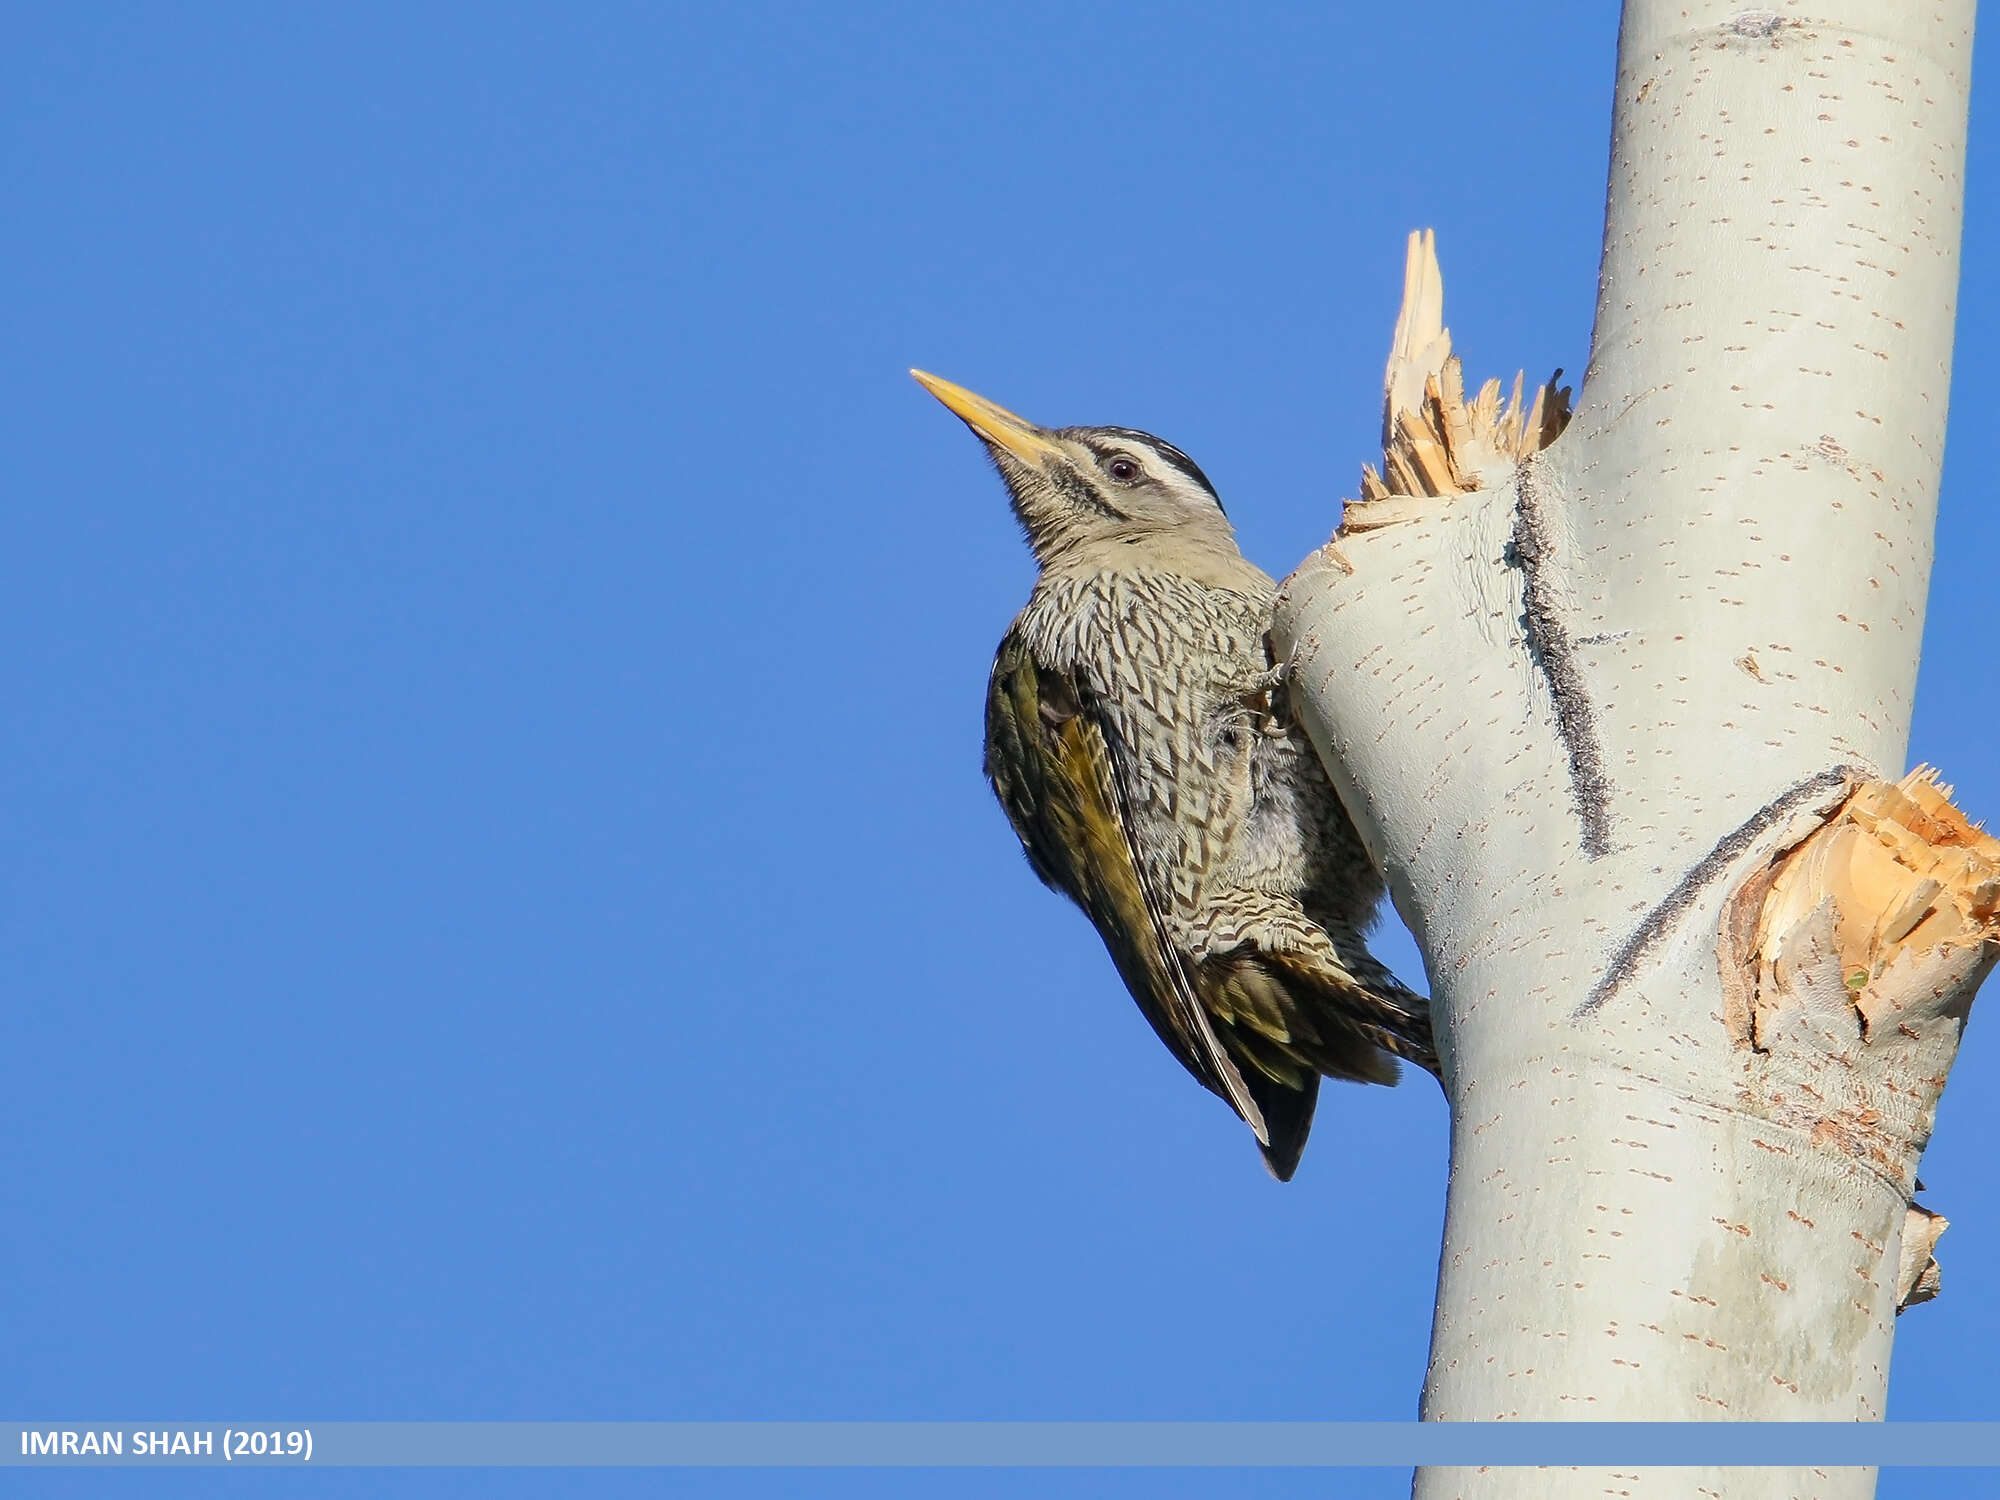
1872 934
1435 443
1919 1277
1896 874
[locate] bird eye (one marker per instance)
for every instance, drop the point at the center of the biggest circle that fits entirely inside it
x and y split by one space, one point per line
1123 468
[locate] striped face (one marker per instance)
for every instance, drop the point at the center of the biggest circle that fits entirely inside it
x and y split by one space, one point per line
1128 459
1108 484
1074 486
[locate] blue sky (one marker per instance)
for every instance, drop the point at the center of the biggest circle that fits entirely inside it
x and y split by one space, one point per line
503 918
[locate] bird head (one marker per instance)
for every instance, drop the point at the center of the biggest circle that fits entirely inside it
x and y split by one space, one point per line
1073 486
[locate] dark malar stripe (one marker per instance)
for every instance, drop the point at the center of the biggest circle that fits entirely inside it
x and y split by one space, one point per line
1079 491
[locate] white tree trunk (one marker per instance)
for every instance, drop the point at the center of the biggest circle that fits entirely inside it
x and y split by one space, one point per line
1614 710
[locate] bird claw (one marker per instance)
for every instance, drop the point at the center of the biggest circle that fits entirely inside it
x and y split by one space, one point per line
1263 699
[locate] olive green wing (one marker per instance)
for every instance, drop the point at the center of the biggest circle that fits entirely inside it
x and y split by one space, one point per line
1055 767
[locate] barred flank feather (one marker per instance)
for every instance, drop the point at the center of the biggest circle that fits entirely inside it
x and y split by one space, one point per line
1214 857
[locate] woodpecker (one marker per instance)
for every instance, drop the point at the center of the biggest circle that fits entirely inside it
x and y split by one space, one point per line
1139 740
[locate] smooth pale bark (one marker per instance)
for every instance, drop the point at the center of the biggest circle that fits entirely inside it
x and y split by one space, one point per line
1615 717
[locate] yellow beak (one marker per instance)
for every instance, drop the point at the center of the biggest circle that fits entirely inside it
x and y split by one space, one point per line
995 424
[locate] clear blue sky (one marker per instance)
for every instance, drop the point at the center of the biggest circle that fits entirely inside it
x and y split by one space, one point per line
501 914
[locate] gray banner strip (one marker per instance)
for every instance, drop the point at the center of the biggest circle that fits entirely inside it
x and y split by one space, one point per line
1000 1444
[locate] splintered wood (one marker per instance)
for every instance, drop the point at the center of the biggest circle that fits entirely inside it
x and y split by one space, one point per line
1904 872
1865 941
1919 1278
1434 442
